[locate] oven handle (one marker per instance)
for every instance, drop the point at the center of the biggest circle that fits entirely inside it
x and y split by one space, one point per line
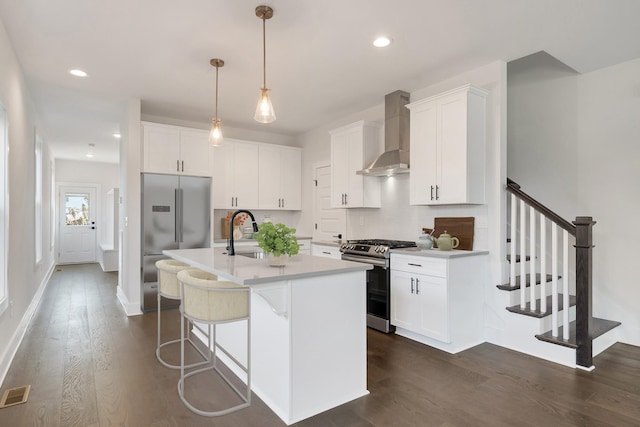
374 261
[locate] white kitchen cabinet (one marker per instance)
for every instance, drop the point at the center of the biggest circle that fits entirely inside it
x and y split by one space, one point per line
326 251
304 246
447 148
175 150
419 302
438 300
354 147
280 177
235 175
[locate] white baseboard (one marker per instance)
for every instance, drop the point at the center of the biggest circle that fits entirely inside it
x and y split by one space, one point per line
21 330
129 308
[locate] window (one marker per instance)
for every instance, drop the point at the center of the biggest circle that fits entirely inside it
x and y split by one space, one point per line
4 208
38 201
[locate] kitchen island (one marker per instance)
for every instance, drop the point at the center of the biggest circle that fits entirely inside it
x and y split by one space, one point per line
308 328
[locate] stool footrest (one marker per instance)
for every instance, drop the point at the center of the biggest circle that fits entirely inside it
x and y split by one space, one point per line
193 365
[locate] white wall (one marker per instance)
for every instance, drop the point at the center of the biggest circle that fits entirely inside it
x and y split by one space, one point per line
25 279
573 144
104 174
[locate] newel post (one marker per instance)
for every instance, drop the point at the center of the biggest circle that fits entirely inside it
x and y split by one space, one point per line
584 268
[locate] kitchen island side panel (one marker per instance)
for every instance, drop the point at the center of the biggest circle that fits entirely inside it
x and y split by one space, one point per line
329 343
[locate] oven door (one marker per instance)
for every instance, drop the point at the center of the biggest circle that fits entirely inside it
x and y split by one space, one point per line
378 292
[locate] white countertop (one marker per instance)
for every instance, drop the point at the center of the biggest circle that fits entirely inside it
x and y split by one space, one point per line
218 241
437 253
251 271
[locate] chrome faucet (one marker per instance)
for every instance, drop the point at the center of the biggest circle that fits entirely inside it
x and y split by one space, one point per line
230 249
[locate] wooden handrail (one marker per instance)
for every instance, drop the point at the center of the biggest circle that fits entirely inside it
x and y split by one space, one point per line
514 188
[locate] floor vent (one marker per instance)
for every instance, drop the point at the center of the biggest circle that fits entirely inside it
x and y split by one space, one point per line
15 396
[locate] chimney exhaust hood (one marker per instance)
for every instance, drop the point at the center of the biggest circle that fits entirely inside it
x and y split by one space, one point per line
395 159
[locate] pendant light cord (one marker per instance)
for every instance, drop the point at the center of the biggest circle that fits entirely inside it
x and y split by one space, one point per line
264 53
217 67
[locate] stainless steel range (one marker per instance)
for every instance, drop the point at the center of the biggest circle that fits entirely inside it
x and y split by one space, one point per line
376 253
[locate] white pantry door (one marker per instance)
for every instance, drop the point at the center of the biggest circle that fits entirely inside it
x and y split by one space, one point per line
329 222
77 225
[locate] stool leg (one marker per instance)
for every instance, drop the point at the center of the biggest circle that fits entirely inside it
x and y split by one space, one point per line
158 346
181 384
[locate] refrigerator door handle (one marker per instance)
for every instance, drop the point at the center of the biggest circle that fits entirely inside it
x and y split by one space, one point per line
176 217
179 214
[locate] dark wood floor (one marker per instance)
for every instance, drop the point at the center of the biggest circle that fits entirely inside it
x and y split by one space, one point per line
90 365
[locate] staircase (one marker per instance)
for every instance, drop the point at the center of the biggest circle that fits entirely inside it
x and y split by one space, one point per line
550 277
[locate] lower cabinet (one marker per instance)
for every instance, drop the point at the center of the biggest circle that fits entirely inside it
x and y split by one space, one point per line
419 303
438 300
326 251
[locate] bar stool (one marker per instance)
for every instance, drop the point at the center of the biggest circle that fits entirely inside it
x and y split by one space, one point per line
169 287
209 301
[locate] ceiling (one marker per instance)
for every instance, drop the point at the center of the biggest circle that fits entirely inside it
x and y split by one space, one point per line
321 64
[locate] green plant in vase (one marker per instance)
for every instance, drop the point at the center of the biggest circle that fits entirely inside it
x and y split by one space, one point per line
278 241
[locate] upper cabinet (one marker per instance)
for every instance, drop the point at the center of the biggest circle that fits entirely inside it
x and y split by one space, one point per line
447 153
175 150
280 177
354 147
235 175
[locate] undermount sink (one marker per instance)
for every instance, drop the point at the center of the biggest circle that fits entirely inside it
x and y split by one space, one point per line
255 255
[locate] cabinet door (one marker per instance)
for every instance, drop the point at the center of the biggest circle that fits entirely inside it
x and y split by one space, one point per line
270 182
223 176
423 154
291 175
195 153
434 307
404 301
339 167
246 167
355 155
161 149
452 149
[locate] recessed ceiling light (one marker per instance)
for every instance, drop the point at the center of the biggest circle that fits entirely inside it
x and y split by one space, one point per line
117 135
382 42
78 73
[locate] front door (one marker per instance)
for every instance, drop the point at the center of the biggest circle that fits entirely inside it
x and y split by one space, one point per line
77 224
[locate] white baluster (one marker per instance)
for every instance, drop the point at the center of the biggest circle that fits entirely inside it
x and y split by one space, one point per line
532 255
565 284
512 245
554 280
523 255
543 264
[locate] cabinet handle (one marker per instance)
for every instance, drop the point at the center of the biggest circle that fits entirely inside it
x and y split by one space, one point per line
437 195
326 253
232 202
414 265
432 192
346 199
417 286
177 165
236 202
283 203
412 285
183 166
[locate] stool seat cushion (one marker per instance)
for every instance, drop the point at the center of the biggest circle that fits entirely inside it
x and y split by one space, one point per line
167 281
208 299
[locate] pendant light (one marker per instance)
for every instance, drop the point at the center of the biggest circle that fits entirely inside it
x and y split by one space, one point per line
264 109
215 136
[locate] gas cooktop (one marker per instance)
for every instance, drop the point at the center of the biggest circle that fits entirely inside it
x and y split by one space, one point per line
374 247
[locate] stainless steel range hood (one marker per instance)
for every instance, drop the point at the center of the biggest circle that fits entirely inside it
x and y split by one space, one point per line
395 158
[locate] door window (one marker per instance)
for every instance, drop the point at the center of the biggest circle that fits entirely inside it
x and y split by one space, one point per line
77 209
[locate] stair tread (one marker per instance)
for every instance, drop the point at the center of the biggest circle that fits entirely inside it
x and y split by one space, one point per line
537 313
518 258
600 327
507 286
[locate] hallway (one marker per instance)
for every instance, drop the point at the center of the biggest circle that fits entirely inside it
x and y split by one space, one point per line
90 365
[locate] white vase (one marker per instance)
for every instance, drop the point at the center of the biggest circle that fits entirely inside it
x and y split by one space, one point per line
277 261
237 232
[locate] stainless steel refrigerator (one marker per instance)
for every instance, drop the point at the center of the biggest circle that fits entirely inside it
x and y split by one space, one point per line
176 214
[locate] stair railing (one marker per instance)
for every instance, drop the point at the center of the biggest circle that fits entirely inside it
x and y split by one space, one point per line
581 231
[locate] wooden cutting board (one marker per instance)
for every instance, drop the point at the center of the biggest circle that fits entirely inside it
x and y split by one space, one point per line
460 227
